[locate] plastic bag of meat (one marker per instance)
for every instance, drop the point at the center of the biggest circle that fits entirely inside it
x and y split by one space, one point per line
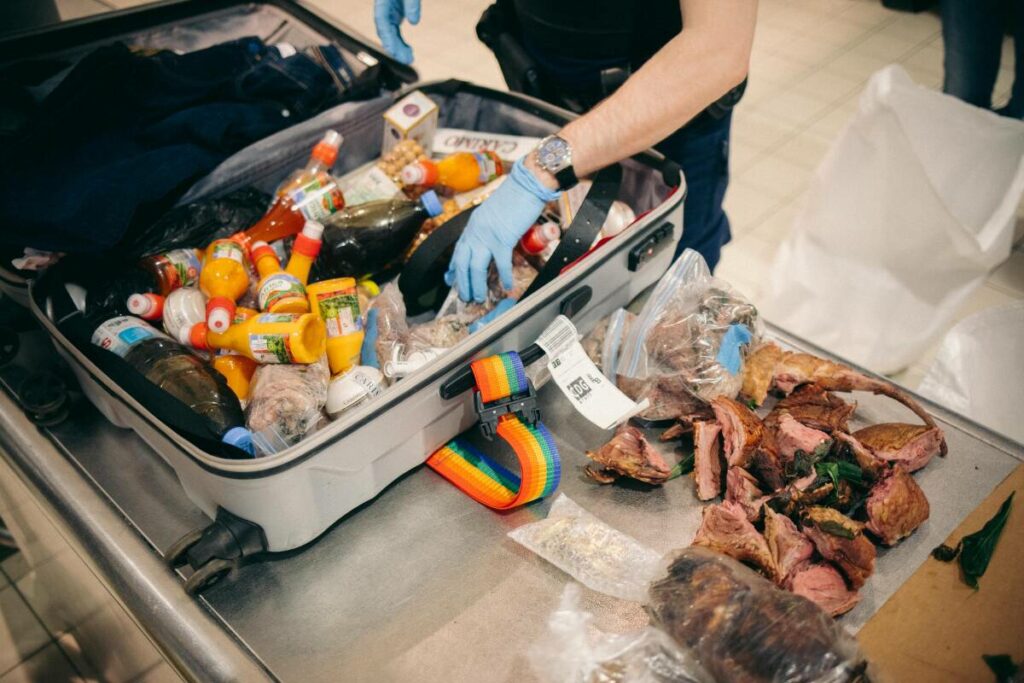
712 618
522 275
604 342
691 336
390 321
593 553
285 403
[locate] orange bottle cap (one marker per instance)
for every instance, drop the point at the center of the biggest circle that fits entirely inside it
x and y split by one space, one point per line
197 336
147 306
261 250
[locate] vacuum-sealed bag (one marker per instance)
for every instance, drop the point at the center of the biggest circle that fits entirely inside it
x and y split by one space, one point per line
285 403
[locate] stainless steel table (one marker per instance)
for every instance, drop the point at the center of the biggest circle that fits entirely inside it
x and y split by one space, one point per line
421 584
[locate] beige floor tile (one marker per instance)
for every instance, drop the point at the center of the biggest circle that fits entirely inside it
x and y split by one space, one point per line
778 225
76 9
21 634
47 665
741 157
15 566
746 205
913 27
778 69
856 65
757 130
827 86
831 124
984 298
72 649
793 107
843 34
805 149
886 47
745 264
1009 277
928 58
776 176
161 673
806 50
868 13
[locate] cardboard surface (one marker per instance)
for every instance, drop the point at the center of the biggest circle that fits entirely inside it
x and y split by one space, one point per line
936 628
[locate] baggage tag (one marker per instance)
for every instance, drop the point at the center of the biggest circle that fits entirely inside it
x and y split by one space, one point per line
594 396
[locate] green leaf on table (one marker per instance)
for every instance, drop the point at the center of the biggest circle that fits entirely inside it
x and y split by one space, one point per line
1002 666
977 548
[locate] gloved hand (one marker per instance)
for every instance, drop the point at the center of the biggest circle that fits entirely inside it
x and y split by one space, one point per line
503 305
493 230
388 15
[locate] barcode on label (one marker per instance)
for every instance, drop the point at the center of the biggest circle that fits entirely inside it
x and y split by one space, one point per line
559 334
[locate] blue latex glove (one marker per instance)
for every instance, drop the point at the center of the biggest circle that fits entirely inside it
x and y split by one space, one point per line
729 351
493 230
368 353
388 16
503 305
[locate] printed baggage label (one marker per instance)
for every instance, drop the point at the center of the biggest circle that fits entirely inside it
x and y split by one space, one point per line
278 287
270 348
340 311
592 394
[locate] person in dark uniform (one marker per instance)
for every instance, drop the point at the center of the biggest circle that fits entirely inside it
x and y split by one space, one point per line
643 80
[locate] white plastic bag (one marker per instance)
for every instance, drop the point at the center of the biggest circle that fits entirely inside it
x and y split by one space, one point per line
911 208
979 370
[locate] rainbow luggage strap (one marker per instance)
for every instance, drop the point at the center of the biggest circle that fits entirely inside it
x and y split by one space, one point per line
505 401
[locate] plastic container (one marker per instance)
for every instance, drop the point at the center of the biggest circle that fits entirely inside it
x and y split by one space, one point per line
459 172
269 338
278 291
172 269
321 159
183 308
180 373
336 302
352 388
224 279
315 200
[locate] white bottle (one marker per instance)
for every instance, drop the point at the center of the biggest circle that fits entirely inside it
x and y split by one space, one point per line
183 308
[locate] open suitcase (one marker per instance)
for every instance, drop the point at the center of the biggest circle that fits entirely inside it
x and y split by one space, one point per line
290 498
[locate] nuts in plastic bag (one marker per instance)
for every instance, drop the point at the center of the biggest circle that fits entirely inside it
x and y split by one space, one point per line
593 553
285 403
691 337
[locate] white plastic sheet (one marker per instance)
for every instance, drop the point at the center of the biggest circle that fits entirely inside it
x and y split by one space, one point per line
979 370
910 209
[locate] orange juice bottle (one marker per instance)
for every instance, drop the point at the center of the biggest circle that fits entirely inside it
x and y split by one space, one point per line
223 280
237 369
459 172
305 250
270 338
278 291
337 303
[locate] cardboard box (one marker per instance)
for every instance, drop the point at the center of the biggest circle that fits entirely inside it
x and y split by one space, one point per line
414 117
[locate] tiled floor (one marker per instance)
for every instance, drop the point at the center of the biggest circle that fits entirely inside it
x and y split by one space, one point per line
810 62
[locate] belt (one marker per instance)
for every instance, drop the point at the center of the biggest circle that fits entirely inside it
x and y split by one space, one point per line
506 403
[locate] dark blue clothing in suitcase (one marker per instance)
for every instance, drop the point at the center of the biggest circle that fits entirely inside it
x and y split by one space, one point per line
124 135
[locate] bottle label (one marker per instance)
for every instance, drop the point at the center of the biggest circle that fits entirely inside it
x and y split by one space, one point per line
488 167
278 287
228 249
317 199
270 348
340 311
278 317
120 334
180 267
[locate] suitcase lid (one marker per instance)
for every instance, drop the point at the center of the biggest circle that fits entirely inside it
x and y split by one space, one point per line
93 30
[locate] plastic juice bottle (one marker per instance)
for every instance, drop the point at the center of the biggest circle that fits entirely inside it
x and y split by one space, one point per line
278 291
315 200
459 172
270 338
180 373
146 305
157 274
336 302
237 370
539 243
224 279
305 250
322 158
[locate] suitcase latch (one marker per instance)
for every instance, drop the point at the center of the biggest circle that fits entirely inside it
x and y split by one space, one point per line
523 406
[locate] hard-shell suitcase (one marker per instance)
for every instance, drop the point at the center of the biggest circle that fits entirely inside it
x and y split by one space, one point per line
296 494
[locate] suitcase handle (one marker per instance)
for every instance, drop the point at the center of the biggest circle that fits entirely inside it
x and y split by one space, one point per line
462 380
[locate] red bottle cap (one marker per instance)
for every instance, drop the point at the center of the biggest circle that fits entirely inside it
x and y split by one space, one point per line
147 306
261 250
309 240
326 151
220 310
196 337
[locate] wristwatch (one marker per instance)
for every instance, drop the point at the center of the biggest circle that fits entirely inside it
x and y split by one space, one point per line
554 155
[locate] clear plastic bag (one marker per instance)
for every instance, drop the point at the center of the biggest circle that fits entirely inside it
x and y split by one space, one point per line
392 326
574 650
523 274
712 618
286 403
593 553
676 345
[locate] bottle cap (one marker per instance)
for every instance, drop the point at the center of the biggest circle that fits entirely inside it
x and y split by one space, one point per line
308 241
239 437
432 203
195 336
147 306
219 313
371 288
422 172
326 151
262 250
314 230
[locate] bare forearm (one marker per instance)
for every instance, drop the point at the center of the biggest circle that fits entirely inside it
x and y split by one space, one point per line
697 67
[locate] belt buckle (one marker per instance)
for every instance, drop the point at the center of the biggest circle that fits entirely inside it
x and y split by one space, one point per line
523 406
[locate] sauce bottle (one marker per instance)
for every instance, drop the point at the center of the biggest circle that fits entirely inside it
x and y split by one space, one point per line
459 172
223 279
336 302
237 370
278 291
314 200
269 338
321 159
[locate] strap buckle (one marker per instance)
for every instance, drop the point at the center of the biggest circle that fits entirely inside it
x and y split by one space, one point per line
523 406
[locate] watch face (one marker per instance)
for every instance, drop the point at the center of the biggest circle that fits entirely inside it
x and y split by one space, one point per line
553 154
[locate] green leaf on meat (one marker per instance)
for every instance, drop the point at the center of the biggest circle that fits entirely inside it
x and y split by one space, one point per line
835 529
684 466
